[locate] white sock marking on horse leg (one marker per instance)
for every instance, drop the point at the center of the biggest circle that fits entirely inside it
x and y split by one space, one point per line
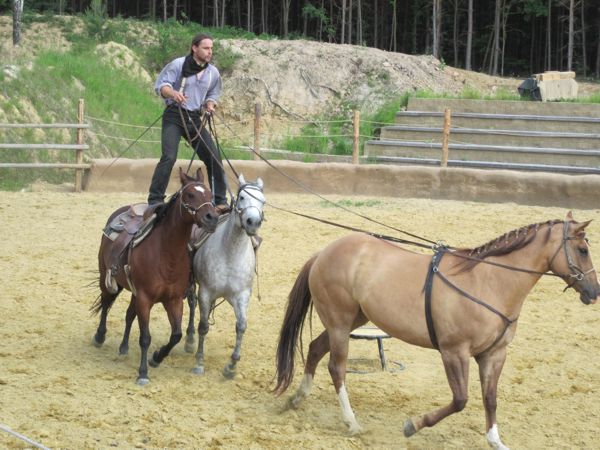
303 390
347 413
493 438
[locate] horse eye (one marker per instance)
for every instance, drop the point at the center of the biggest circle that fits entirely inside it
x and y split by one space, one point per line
583 251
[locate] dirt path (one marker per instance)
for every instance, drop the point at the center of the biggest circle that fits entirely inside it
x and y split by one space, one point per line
58 389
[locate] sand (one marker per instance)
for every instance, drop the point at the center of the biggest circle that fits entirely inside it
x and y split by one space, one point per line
58 389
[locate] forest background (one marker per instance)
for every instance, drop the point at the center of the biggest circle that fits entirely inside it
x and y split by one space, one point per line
498 37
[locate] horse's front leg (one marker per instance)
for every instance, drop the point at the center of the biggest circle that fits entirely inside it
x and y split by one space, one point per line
203 326
490 367
190 332
174 308
129 316
240 307
456 365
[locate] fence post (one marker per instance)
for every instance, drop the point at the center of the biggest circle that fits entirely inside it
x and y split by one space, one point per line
445 137
79 152
257 131
355 145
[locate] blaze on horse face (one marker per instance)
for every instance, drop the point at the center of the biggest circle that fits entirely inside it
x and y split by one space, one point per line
196 199
576 266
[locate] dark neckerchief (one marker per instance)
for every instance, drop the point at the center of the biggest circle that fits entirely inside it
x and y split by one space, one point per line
191 67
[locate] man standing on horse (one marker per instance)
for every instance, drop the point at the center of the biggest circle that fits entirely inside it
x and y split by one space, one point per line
191 87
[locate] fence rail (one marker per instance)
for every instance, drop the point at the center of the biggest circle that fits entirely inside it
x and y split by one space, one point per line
79 166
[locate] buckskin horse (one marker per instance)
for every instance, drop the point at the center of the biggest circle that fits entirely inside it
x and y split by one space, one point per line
155 268
464 302
224 266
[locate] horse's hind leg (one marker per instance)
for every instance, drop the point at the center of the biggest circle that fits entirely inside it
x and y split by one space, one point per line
339 341
189 334
203 327
240 307
457 372
174 310
142 309
106 301
129 316
318 348
490 367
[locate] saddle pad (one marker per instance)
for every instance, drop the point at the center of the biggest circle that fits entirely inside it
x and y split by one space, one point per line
199 235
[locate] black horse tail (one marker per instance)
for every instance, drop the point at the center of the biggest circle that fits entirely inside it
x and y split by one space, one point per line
103 301
299 301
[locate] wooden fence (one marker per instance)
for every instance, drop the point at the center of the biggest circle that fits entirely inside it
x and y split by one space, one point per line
78 147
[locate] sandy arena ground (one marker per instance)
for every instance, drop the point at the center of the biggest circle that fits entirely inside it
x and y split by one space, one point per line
58 389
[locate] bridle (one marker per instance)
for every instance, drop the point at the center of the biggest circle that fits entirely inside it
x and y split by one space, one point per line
186 206
240 211
575 272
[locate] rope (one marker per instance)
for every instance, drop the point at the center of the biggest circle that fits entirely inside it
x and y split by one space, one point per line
23 438
310 191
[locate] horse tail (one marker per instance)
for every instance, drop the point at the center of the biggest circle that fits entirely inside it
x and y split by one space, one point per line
299 301
103 301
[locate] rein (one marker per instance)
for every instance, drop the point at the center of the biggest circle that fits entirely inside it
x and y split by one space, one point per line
575 273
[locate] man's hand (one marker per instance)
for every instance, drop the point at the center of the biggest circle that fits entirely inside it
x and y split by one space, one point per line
210 106
169 92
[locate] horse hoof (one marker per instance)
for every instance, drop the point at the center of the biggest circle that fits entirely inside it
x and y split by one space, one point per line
190 347
198 370
97 343
143 381
123 351
409 428
293 402
354 429
153 363
228 373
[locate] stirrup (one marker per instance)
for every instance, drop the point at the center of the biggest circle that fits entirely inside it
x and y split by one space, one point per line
110 283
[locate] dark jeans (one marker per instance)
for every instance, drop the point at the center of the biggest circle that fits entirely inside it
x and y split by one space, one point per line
172 131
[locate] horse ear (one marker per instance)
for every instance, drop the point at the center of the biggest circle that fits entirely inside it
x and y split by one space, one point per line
242 180
199 176
259 182
581 226
183 177
570 215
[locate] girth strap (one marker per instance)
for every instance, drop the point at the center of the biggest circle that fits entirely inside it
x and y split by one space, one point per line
433 268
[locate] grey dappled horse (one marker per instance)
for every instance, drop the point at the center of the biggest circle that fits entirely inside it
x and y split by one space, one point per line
224 267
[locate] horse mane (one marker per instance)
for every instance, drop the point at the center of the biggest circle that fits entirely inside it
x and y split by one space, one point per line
502 245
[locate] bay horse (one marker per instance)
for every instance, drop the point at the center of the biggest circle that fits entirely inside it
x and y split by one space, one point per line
157 269
223 267
464 304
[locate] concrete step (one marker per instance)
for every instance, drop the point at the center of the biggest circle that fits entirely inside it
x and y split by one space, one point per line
502 154
500 121
539 139
488 165
505 107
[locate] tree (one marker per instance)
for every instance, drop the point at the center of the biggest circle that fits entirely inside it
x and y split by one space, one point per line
571 33
469 35
17 15
496 40
436 26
